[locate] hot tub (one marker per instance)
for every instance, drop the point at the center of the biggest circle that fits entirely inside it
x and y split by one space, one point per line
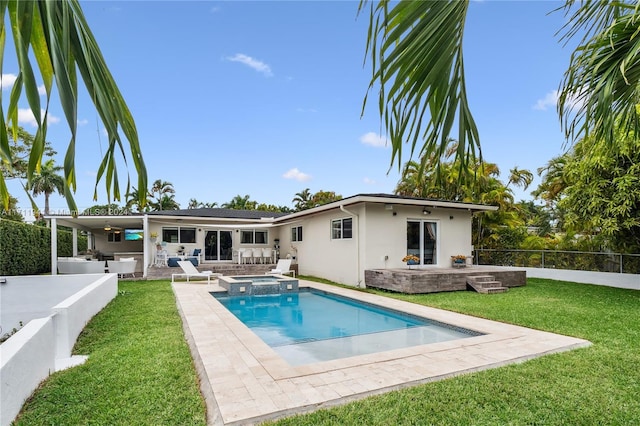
258 284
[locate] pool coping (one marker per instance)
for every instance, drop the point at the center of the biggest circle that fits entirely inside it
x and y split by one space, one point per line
245 381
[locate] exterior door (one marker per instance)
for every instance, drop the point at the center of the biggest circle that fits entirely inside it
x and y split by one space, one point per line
422 241
217 245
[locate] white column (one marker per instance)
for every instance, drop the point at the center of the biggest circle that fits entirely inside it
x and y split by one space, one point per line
54 246
145 245
74 241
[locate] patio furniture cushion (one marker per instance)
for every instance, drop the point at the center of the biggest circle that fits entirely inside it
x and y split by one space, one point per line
173 262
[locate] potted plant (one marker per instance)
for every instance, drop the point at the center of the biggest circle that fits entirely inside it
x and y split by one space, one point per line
459 261
411 259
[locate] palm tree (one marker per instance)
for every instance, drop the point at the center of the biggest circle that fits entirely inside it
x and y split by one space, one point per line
417 58
302 199
57 36
47 182
167 202
240 203
159 190
133 200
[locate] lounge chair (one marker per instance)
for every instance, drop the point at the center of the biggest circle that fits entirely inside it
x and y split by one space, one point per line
283 268
191 271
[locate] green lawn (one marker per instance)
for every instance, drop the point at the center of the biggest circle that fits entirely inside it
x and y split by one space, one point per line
140 372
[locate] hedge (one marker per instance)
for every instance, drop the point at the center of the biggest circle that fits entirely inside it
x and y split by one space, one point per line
25 249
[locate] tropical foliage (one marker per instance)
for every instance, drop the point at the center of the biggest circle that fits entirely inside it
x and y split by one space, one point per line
599 196
416 52
56 35
305 200
47 181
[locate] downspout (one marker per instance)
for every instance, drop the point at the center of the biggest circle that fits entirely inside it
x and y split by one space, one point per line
357 228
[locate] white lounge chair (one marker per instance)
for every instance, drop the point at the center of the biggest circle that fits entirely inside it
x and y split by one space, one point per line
283 268
191 271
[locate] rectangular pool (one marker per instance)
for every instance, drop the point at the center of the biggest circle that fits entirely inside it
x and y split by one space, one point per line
310 326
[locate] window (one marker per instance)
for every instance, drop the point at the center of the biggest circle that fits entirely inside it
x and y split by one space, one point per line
296 233
251 236
187 235
341 229
114 237
170 235
179 235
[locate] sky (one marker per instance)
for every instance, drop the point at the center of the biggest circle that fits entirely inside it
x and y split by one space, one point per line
265 98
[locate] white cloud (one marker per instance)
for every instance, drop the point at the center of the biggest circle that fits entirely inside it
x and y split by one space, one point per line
550 100
42 90
369 181
252 63
374 139
297 175
8 80
83 122
26 117
306 110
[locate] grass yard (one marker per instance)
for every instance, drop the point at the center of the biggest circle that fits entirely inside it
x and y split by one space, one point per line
591 386
140 371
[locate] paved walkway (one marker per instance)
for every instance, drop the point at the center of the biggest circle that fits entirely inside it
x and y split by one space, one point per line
244 381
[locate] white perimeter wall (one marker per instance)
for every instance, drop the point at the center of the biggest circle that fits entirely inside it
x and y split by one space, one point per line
30 355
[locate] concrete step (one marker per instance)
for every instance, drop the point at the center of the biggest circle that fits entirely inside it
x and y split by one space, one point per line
481 278
486 286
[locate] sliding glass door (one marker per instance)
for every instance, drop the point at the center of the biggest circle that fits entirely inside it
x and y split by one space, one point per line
422 241
217 245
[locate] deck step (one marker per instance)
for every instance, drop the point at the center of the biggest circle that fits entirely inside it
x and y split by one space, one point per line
486 284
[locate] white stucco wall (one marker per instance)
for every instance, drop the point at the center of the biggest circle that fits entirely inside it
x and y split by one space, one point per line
318 255
386 234
30 355
379 242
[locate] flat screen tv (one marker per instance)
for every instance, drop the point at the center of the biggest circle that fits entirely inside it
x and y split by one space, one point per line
133 234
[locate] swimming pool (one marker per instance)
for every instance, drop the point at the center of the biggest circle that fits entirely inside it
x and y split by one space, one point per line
309 325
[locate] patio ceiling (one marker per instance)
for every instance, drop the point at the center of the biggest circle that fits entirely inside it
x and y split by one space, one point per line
97 223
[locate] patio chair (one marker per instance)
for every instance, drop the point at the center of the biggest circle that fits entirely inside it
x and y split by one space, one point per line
283 268
267 255
257 255
191 271
246 255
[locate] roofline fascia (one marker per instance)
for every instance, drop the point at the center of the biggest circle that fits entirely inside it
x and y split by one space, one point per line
389 200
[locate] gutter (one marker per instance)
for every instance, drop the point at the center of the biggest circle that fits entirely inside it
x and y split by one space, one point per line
357 228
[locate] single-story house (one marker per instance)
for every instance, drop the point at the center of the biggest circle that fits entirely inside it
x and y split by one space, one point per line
337 241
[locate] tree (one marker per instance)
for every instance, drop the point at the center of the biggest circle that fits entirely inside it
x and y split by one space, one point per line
133 200
195 204
12 212
240 203
323 197
57 36
302 199
166 202
46 182
159 190
20 148
602 193
417 60
475 182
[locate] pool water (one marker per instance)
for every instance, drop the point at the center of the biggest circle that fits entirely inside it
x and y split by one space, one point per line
311 326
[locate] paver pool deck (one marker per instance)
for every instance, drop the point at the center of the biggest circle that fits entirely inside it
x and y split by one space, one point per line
244 381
